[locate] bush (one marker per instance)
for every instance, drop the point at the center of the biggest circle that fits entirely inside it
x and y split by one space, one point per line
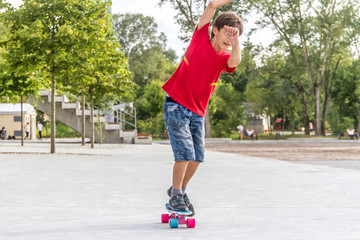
226 110
62 131
153 126
345 124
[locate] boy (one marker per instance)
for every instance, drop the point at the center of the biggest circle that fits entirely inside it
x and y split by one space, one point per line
189 90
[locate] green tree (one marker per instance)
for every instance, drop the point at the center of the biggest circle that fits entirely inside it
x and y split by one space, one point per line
151 64
320 29
135 32
151 102
274 90
144 47
17 80
48 31
151 108
225 110
99 70
346 96
109 77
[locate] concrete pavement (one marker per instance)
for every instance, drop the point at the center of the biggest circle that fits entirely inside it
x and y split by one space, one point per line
119 192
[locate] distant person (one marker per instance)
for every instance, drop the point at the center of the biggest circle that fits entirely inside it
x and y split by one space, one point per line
241 130
27 130
11 137
250 132
3 133
351 133
189 90
40 127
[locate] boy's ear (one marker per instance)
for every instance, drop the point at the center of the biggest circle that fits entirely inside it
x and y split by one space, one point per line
215 30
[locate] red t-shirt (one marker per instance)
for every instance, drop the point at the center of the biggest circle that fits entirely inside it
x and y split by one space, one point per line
195 79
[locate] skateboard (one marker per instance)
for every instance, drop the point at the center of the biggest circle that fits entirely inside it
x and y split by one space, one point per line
175 218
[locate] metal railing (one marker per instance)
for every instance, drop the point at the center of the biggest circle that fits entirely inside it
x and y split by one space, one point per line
71 97
125 114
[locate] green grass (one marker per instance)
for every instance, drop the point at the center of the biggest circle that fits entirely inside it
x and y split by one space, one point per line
62 131
268 136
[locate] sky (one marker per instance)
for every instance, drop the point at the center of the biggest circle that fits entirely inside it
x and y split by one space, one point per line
164 17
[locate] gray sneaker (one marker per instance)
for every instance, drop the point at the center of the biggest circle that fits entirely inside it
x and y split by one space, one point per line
189 205
187 202
177 203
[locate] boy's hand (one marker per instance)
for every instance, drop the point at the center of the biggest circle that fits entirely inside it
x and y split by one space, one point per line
210 11
232 34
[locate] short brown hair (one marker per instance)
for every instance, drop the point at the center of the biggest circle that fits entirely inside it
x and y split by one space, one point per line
229 19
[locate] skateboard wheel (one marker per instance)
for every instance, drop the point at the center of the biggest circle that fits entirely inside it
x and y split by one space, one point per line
174 223
164 218
190 223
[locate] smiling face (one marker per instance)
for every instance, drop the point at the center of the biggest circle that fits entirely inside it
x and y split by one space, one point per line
224 25
220 41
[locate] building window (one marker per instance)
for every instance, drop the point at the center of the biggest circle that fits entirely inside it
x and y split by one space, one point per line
17 133
17 118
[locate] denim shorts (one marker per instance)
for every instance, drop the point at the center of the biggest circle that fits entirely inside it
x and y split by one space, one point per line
186 132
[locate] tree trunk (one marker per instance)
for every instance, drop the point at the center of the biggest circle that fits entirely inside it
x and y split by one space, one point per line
328 89
22 121
92 119
83 120
358 121
317 112
308 68
324 114
305 110
99 125
53 108
301 89
207 125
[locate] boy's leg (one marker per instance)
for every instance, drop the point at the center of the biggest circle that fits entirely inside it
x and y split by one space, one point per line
177 120
183 171
197 130
190 171
177 201
179 170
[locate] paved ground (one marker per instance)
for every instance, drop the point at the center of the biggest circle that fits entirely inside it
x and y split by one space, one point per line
295 150
317 151
118 192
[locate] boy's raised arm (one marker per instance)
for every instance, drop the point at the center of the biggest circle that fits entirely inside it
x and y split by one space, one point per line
233 36
210 11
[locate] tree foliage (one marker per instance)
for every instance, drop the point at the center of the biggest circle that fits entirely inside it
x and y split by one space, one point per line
151 64
68 43
321 29
144 47
225 110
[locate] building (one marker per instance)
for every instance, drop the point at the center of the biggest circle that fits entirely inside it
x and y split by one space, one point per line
10 118
259 123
